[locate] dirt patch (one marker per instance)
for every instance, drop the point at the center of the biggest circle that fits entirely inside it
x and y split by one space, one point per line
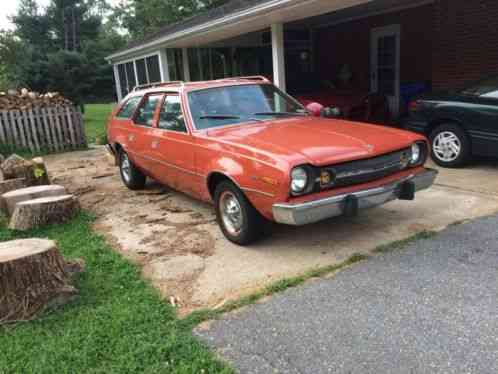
156 228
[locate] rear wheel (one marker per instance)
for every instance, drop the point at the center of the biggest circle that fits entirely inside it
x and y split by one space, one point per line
450 146
239 221
132 178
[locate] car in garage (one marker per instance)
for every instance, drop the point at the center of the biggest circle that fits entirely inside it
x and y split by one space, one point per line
323 98
460 124
258 155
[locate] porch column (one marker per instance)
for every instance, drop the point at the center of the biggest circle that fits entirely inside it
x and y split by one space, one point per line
118 83
163 65
277 47
186 69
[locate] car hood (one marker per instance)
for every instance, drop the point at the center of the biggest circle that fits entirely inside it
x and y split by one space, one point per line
317 141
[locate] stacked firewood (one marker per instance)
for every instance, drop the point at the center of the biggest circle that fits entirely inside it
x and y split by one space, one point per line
25 99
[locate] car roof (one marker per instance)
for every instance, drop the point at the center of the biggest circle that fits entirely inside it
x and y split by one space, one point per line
180 86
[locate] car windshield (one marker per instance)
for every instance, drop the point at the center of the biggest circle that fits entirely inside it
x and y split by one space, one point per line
221 106
485 88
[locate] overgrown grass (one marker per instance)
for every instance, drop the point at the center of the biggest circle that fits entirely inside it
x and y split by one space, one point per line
95 120
118 325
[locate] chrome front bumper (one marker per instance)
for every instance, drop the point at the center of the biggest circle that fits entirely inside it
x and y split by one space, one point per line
349 204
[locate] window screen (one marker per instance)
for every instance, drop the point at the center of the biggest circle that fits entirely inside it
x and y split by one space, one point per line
153 69
171 115
141 71
122 79
146 111
130 74
129 107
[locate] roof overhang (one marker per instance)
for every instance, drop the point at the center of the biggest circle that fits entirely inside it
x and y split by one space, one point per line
238 23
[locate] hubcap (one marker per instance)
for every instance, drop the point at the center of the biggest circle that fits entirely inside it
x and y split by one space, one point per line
447 146
231 213
126 167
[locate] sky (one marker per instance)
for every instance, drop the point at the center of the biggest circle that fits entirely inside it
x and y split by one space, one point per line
9 7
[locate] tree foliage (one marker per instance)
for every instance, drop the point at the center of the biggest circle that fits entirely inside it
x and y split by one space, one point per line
143 17
60 48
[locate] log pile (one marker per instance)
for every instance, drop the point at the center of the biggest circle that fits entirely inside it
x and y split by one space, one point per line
25 99
33 276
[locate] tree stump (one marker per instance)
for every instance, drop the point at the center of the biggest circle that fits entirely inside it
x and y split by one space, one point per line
44 211
10 199
35 171
12 184
32 278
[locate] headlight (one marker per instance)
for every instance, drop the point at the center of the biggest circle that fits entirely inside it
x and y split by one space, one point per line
299 180
418 154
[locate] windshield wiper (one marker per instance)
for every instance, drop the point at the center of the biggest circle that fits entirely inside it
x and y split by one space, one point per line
219 116
279 114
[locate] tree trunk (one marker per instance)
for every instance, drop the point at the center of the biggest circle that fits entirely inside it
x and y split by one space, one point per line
44 211
10 199
32 278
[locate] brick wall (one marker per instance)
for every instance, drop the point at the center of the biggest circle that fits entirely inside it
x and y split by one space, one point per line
349 43
465 43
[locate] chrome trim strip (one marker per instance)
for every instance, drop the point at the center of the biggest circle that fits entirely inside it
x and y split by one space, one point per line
317 210
257 191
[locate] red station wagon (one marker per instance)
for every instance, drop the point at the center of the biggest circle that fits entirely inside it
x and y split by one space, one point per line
259 155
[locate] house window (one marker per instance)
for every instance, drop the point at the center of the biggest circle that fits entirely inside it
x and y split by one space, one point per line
153 69
175 64
141 71
130 76
122 80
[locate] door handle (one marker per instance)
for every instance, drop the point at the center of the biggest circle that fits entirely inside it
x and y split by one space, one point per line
155 144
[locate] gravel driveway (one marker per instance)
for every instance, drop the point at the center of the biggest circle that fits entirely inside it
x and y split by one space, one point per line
429 308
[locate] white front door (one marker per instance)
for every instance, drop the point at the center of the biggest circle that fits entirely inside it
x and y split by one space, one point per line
385 64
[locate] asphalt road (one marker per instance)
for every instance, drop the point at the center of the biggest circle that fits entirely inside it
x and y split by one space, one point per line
431 307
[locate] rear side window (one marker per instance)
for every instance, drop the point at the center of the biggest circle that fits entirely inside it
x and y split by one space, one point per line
145 114
127 110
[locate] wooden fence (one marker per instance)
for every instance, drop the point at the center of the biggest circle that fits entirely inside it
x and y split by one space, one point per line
50 129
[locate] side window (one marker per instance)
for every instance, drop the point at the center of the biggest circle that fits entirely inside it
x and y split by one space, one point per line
171 115
145 114
129 107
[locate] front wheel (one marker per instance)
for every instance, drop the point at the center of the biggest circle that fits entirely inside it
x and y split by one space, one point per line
132 178
450 146
239 221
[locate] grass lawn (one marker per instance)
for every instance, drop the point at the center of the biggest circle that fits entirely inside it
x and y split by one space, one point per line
95 120
117 325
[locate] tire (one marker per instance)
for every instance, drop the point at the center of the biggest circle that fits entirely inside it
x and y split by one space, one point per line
446 155
132 178
252 225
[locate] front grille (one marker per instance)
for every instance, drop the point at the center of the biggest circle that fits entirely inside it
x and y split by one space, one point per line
364 171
